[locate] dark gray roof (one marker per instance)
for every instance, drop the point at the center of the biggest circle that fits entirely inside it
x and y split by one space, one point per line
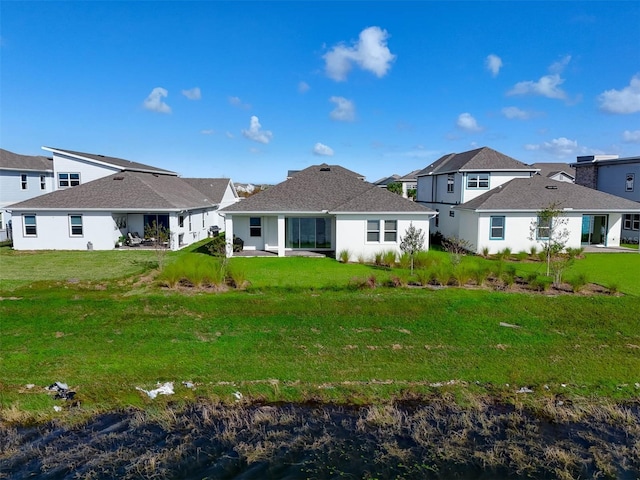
330 188
113 161
212 188
15 161
537 193
411 176
124 191
387 180
484 158
550 169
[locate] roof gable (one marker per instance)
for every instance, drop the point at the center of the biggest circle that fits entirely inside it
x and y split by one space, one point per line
15 161
325 188
212 188
124 190
551 169
118 163
484 158
537 193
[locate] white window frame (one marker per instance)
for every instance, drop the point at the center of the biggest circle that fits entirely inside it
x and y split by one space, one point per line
43 182
181 221
70 182
373 231
476 181
24 181
391 231
71 225
451 179
24 225
541 228
629 182
502 227
255 230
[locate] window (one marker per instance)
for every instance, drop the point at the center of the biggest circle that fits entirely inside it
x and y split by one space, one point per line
23 181
543 229
497 228
255 226
43 182
631 222
181 221
189 222
450 180
203 214
636 222
390 230
628 183
307 232
75 225
478 180
66 180
452 213
373 230
437 218
29 225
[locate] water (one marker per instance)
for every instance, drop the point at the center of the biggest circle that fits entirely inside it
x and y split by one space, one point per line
434 440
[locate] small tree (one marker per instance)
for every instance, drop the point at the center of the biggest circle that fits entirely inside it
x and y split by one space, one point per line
412 242
162 237
550 231
395 187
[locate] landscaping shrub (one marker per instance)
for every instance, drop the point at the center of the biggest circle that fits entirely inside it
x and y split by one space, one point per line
237 276
522 256
218 245
442 274
424 260
462 275
344 256
504 254
573 253
578 282
480 274
404 261
362 259
378 259
614 288
485 252
389 258
533 250
424 276
541 283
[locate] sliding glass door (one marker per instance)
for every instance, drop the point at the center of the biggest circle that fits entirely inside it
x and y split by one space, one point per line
308 232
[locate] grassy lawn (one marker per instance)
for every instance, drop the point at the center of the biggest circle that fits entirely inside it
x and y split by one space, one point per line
299 333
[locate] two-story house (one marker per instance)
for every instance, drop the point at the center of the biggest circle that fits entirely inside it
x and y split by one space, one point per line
618 176
492 201
21 177
99 199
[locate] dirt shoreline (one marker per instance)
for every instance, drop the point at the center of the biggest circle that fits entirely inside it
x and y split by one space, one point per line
432 439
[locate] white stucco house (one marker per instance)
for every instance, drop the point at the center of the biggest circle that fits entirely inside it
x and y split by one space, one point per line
324 208
21 177
491 200
98 199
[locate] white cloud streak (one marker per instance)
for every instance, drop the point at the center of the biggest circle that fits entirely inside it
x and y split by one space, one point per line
468 123
548 85
623 101
236 102
256 133
322 150
193 93
370 53
345 110
630 136
515 113
493 64
303 87
154 101
559 147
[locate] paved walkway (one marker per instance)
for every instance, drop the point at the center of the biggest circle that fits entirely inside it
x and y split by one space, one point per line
603 249
288 253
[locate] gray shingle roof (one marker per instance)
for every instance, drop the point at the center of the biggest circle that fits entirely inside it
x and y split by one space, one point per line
387 180
15 161
113 161
484 158
212 188
329 188
124 191
537 193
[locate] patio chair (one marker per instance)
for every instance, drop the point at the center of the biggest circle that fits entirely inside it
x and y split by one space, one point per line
132 241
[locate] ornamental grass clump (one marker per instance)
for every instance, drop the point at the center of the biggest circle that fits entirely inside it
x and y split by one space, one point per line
344 255
389 258
578 282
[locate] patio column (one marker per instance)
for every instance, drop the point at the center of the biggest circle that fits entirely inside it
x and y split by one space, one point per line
281 235
228 228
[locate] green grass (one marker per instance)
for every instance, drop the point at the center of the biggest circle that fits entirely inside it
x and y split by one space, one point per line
300 332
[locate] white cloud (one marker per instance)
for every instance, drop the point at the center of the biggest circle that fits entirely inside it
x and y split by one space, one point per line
622 101
236 102
516 113
209 131
303 87
154 101
559 147
548 86
256 133
631 136
345 110
468 123
192 94
323 150
229 134
493 64
369 53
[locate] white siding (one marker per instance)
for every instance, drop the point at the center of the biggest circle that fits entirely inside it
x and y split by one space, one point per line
11 189
495 180
88 171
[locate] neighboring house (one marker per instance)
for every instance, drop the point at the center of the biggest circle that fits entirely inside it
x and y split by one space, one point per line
324 208
384 182
21 177
408 182
121 197
457 178
562 172
503 217
618 176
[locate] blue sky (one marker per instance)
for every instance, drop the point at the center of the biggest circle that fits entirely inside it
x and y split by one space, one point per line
249 90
